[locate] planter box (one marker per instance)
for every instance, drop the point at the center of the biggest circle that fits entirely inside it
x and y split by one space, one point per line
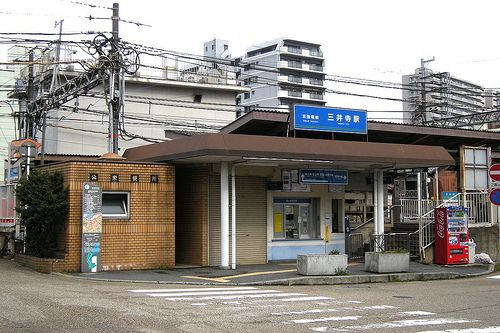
380 262
321 264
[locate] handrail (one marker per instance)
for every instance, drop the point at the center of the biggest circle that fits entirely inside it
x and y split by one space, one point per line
372 218
441 204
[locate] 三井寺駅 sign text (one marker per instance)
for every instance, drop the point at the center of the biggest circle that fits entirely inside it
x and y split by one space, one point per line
326 119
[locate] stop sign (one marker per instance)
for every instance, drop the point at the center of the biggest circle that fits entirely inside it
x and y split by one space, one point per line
495 172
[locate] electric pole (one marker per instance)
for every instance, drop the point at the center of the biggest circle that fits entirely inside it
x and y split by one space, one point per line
114 84
423 106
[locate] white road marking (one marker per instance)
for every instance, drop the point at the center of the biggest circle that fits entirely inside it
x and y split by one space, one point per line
416 313
311 298
378 307
225 297
304 312
494 277
355 302
189 289
206 293
318 320
494 329
200 304
406 323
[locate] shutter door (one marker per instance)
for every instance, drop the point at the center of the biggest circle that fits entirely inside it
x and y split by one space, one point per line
251 225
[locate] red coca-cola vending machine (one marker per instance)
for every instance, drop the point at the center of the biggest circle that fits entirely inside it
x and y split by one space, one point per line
451 245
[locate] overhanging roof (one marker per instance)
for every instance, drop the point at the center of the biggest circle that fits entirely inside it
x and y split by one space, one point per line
212 148
275 123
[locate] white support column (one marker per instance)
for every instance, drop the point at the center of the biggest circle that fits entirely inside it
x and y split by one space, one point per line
375 207
419 213
380 209
233 217
224 215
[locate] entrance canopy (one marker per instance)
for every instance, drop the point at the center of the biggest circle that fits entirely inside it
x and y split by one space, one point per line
268 150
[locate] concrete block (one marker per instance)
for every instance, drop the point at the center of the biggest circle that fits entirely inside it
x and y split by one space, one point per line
321 264
380 262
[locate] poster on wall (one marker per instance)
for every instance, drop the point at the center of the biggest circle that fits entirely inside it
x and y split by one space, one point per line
91 228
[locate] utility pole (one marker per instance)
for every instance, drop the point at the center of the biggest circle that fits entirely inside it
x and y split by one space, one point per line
114 84
423 106
28 132
55 67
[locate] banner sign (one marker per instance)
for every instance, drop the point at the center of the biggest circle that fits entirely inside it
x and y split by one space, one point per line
323 176
326 119
91 228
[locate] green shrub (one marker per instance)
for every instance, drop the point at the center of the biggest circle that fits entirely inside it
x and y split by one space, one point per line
334 252
341 272
43 207
396 251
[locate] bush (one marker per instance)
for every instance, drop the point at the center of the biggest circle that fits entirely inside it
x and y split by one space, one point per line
43 207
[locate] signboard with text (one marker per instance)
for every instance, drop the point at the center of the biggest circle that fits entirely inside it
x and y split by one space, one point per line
326 119
91 228
323 176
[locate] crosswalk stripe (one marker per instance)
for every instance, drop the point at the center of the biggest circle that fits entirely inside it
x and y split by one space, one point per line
303 312
493 329
201 293
317 320
188 289
231 297
494 277
403 323
312 298
416 313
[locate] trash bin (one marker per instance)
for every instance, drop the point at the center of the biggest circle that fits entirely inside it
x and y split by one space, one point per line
472 251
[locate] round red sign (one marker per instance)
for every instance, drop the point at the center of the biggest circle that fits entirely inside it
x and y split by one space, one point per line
495 172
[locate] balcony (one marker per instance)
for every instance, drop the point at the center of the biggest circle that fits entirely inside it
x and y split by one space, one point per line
300 66
313 53
300 95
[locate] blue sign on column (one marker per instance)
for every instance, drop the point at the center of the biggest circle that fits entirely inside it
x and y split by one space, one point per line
326 119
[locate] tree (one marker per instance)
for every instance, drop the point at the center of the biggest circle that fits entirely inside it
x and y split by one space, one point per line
43 208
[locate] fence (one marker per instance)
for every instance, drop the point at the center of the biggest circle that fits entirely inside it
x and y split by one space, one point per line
355 247
396 242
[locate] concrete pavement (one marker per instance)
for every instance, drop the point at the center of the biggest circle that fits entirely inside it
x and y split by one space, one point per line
284 274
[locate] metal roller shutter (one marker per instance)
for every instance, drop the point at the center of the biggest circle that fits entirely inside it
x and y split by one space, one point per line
251 242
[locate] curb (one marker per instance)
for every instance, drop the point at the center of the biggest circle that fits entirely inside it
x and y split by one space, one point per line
311 280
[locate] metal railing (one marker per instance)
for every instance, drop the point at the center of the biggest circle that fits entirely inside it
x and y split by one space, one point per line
395 242
355 247
479 207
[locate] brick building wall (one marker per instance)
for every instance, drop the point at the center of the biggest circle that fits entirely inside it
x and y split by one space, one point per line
191 222
144 241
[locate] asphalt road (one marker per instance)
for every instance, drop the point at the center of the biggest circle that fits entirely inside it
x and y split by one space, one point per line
34 302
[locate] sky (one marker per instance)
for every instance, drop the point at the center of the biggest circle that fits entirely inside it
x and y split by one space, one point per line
377 40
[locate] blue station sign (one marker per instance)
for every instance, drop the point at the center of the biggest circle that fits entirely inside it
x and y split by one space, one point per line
326 119
323 176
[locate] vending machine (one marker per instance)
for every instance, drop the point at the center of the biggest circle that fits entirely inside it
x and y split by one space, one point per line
451 245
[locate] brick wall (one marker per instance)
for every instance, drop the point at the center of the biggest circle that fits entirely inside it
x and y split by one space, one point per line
191 205
144 241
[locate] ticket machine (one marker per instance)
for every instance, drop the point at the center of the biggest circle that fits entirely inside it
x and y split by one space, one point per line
451 245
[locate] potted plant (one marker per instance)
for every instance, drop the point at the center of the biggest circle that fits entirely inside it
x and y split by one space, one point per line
391 261
322 264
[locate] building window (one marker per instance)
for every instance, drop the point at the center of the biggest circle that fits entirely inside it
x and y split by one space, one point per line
294 49
476 168
197 98
225 47
213 47
115 205
253 92
246 95
206 48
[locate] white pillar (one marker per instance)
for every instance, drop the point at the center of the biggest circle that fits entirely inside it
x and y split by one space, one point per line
224 215
233 217
375 207
380 209
419 195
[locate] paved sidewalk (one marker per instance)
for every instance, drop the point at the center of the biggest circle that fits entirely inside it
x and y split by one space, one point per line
284 274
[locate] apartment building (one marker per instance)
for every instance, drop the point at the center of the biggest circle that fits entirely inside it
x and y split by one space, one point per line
429 96
281 73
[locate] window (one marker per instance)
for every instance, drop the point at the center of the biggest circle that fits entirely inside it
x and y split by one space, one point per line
197 98
296 218
225 47
115 205
246 95
476 168
206 48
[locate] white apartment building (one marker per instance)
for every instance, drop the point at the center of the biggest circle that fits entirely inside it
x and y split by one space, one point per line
169 97
281 73
429 96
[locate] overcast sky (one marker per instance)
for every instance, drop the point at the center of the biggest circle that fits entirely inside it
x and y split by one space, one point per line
378 40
